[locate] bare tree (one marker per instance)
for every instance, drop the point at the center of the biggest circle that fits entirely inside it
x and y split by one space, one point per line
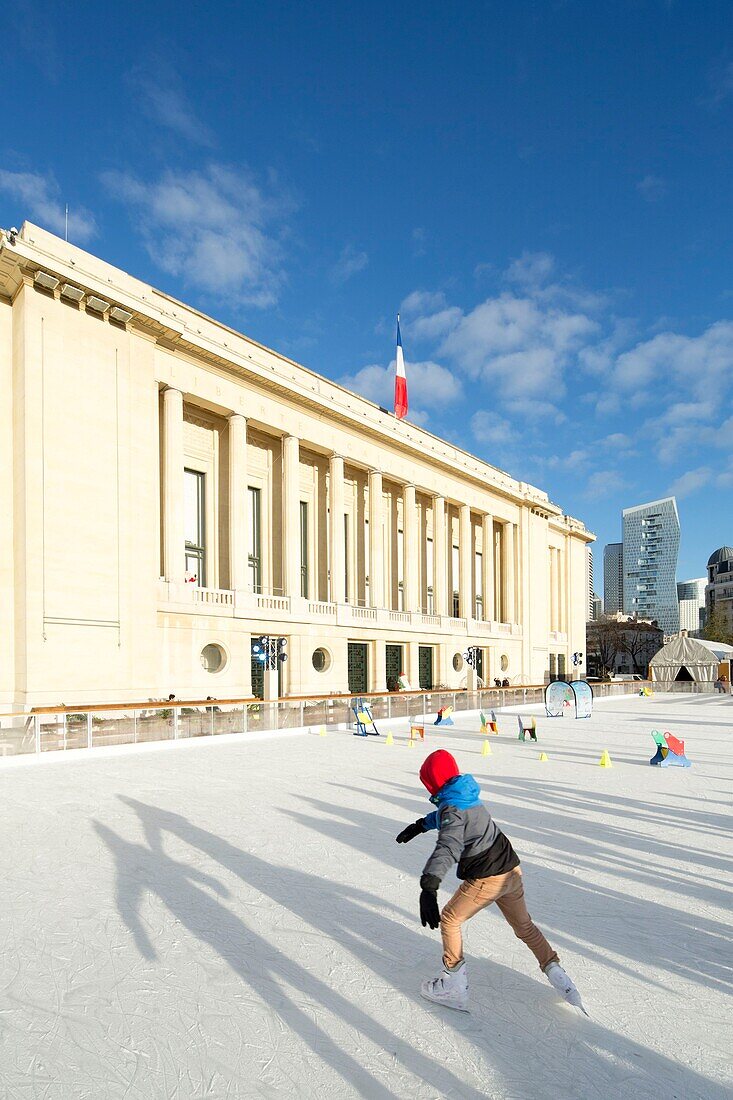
604 642
641 641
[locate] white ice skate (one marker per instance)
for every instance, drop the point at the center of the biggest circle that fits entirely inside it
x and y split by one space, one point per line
564 984
450 988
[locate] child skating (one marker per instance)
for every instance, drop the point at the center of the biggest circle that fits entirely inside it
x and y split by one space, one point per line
489 867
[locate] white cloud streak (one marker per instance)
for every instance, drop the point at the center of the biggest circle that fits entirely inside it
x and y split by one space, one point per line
40 198
210 228
163 99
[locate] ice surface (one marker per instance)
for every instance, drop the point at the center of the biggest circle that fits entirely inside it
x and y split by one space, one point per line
234 919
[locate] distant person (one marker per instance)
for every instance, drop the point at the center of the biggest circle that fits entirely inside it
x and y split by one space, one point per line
489 867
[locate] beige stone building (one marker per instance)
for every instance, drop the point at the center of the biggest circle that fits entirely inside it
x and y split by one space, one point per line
170 490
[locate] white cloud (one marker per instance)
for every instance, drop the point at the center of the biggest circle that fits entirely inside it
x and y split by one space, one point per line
531 269
435 326
517 345
164 100
701 364
422 302
652 188
487 427
42 200
349 263
604 483
427 384
690 482
209 228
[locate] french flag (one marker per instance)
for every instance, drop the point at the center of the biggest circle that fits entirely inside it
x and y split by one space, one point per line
400 380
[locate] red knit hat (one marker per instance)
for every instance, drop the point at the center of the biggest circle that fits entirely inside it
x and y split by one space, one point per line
437 769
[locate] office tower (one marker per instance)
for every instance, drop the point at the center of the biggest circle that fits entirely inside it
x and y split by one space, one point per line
691 596
613 578
650 545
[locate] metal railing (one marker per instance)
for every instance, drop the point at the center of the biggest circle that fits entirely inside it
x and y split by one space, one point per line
52 729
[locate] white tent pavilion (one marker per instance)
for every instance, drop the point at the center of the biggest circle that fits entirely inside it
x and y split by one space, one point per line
691 659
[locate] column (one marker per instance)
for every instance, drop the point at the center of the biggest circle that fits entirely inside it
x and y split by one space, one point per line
174 540
410 568
238 502
440 565
465 572
487 564
376 549
337 590
510 603
291 515
553 588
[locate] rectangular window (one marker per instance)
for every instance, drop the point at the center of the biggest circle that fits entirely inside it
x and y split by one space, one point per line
429 569
304 549
347 571
455 573
478 575
255 539
194 496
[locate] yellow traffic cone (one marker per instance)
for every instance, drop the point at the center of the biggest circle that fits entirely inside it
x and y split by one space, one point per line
390 739
605 761
543 757
486 749
322 731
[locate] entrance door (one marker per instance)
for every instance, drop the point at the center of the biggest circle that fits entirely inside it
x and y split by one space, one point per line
258 676
425 667
393 662
358 668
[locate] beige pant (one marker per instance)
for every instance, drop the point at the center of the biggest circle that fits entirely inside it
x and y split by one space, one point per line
475 894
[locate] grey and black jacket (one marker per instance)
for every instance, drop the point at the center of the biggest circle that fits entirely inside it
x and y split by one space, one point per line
467 835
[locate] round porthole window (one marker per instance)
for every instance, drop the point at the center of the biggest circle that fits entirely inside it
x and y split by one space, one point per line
321 659
504 662
457 662
213 657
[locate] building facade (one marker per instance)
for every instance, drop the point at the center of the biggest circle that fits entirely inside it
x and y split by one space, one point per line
719 588
613 577
171 490
691 596
651 539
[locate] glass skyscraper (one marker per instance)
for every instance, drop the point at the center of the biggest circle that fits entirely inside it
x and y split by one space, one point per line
651 543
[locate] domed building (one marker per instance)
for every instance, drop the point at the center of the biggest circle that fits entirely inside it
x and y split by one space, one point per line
719 589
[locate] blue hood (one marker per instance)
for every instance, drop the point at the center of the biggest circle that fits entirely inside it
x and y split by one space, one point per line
462 791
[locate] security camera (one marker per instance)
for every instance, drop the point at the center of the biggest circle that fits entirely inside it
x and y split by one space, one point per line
12 235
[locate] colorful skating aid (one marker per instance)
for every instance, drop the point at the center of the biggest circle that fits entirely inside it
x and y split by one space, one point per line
525 729
444 717
605 761
670 751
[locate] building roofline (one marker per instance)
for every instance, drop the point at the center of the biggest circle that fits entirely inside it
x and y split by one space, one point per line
651 504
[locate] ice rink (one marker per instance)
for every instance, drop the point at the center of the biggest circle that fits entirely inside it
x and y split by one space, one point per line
234 919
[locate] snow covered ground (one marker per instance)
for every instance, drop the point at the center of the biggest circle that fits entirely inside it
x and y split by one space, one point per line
233 919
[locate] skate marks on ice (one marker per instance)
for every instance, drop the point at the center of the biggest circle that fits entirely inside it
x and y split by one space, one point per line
371 1059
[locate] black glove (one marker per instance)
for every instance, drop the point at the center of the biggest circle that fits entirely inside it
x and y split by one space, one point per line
429 912
411 831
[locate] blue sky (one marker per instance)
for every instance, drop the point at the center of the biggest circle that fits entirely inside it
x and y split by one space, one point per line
543 189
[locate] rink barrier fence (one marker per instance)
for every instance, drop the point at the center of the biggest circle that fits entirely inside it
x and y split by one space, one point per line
61 729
